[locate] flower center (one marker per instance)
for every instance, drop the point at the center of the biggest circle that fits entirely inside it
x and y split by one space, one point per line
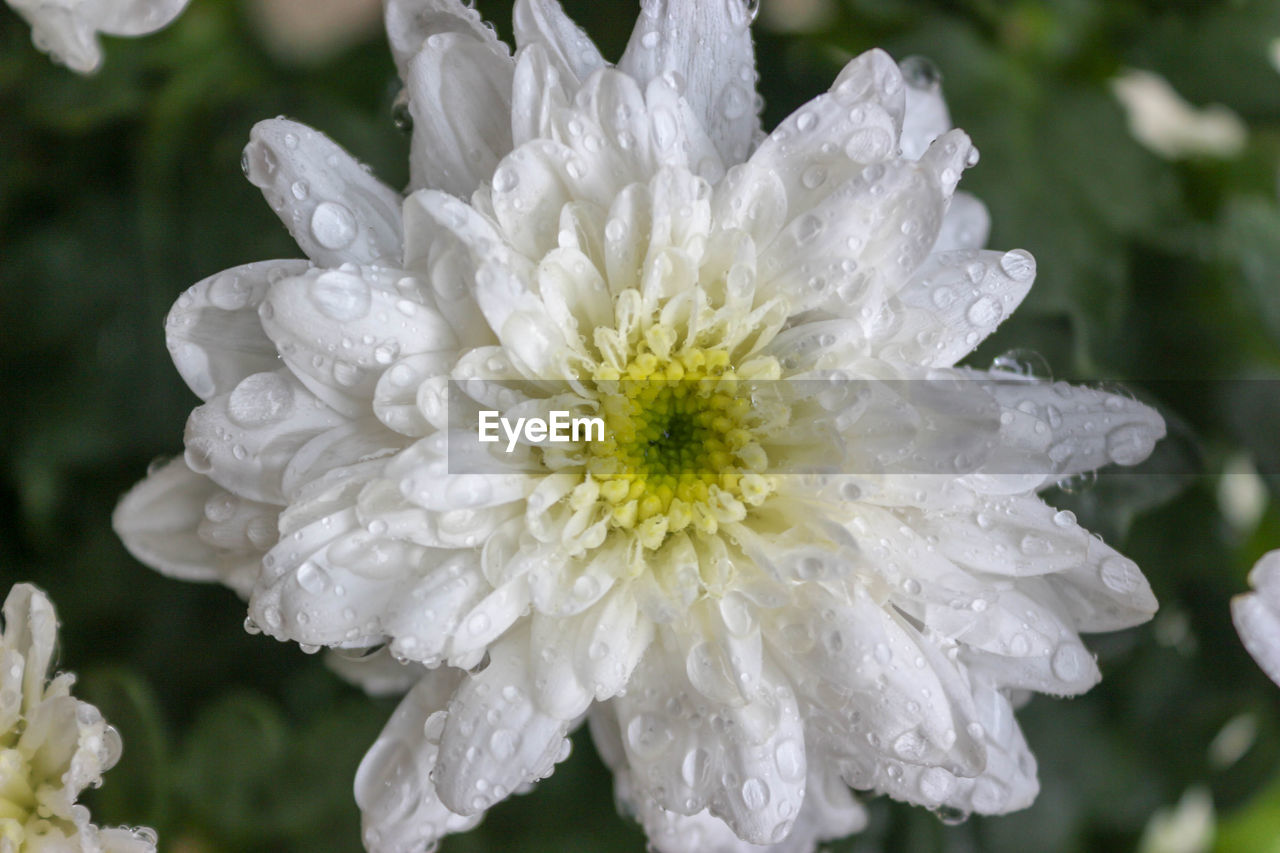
681 445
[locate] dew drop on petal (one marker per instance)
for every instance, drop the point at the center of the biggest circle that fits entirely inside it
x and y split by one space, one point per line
1018 265
341 295
648 736
920 72
332 225
985 311
1120 575
755 793
260 399
1130 444
935 784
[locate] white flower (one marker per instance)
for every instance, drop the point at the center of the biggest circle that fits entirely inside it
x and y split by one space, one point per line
1257 614
1164 122
758 604
52 745
68 30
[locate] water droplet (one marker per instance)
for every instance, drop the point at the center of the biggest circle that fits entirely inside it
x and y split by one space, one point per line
312 578
401 116
910 746
950 815
790 760
985 312
1068 662
648 736
807 228
755 793
1130 444
1018 265
260 399
341 295
1021 363
503 744
867 146
1078 483
936 784
332 225
1120 575
694 767
813 177
300 190
920 72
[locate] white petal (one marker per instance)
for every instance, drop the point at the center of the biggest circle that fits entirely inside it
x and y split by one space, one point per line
1257 615
708 44
411 396
544 22
861 241
400 810
833 137
68 31
966 224
214 334
164 522
137 17
499 279
864 672
30 631
1022 536
424 620
1006 783
496 738
245 440
338 330
411 22
681 750
1059 430
460 99
538 93
925 118
953 302
335 210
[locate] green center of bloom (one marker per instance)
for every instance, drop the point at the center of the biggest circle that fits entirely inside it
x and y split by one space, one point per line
680 446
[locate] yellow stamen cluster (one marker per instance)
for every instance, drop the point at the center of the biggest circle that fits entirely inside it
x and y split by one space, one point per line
679 448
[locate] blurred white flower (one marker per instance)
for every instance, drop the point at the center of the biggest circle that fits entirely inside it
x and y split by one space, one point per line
308 31
1187 827
1163 121
759 603
1242 495
1257 614
52 746
68 30
797 15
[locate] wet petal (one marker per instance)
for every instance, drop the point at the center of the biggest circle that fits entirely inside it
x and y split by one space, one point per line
336 211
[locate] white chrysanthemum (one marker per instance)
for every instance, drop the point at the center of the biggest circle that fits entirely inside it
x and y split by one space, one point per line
68 30
1257 614
52 745
759 603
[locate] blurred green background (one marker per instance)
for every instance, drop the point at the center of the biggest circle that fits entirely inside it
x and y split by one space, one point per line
120 190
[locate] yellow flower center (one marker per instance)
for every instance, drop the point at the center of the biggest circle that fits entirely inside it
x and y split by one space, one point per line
681 445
